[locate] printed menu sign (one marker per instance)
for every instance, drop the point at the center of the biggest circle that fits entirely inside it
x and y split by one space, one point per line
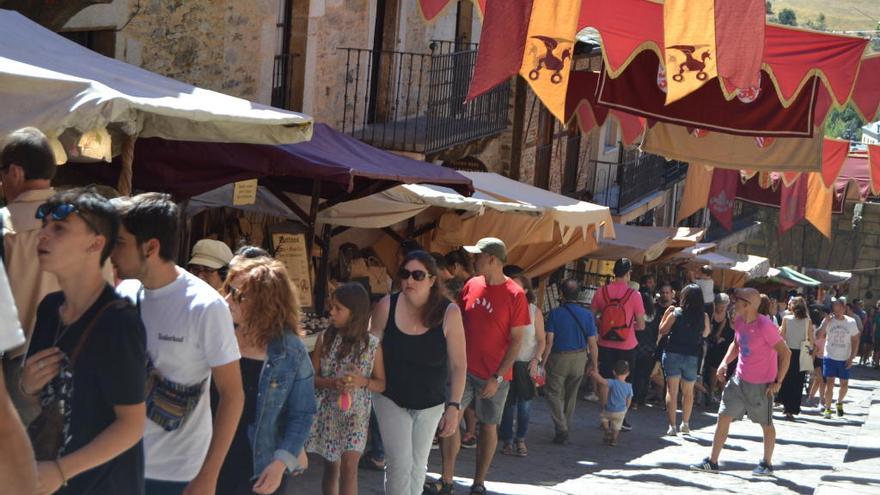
290 249
244 192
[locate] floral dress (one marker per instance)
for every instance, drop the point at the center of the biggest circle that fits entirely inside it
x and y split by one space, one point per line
335 431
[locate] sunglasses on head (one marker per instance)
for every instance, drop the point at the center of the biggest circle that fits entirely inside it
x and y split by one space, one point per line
60 212
417 275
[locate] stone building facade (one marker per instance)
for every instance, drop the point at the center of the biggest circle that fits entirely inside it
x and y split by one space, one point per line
850 248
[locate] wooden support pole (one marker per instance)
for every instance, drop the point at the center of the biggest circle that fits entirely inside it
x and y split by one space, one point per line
125 175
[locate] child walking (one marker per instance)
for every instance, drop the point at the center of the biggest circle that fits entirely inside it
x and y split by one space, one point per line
620 395
349 365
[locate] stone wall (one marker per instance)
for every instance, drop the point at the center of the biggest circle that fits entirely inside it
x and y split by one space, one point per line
803 245
223 45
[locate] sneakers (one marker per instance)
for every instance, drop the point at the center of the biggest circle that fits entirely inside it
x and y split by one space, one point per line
706 466
560 438
685 429
591 397
435 445
626 426
469 442
839 410
763 469
827 414
670 432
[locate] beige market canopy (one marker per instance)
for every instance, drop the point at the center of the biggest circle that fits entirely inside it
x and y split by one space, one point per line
732 269
54 84
640 244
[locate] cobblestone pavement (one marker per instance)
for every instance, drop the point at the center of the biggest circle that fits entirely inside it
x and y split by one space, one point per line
646 460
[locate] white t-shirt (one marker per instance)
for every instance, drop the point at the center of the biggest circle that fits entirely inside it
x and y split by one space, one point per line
189 331
11 334
707 286
838 338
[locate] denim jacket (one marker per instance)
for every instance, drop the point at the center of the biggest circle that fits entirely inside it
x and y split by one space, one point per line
285 404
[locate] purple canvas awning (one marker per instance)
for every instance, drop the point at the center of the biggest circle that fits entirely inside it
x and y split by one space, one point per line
345 167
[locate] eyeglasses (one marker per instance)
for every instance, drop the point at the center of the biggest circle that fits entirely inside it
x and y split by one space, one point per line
417 275
60 212
200 269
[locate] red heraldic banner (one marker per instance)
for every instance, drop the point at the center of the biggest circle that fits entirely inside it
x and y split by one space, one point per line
792 203
722 195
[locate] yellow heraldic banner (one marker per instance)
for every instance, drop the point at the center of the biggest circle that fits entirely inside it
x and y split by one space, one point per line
549 51
689 46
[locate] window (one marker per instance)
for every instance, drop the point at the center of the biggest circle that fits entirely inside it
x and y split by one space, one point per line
102 41
610 136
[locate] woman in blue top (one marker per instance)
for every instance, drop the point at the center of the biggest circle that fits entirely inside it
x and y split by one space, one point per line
687 326
278 380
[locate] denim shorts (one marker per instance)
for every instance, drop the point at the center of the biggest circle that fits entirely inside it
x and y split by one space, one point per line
675 365
832 368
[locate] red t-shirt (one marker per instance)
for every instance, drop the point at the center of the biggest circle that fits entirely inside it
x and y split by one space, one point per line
633 308
489 312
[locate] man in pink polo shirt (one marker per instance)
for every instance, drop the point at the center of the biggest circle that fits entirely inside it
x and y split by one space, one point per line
763 362
617 340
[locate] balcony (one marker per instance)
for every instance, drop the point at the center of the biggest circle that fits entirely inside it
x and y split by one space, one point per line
414 102
633 178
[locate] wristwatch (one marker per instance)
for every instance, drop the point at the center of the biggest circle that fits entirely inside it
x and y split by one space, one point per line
498 378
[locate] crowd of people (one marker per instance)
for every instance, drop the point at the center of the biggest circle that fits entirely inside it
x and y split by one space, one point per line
132 374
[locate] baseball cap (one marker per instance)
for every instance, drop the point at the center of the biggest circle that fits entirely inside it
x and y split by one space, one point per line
750 295
211 253
489 245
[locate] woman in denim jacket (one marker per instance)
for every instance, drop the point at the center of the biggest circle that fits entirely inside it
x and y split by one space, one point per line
278 381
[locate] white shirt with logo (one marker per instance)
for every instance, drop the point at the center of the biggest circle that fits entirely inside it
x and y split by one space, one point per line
189 331
838 338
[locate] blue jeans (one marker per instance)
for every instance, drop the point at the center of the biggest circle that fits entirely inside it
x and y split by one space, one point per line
159 487
521 409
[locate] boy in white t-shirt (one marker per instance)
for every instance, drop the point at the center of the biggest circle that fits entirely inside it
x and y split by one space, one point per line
17 469
190 342
841 334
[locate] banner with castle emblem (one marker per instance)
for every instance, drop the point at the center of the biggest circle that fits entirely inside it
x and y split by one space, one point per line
549 51
689 46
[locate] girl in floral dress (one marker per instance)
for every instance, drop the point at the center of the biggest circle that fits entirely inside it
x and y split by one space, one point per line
349 365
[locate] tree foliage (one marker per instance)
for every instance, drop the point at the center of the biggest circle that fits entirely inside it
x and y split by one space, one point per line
844 124
787 17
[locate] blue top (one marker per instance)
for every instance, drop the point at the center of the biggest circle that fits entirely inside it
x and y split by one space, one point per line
618 393
568 335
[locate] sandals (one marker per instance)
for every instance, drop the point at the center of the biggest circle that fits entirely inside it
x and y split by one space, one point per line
478 490
521 450
507 449
438 487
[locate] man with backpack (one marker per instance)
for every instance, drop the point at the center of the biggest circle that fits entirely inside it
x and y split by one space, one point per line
620 312
570 331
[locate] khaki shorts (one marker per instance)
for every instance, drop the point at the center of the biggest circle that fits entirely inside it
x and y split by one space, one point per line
489 411
742 398
614 419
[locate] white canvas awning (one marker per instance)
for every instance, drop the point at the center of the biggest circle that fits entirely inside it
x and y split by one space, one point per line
638 243
54 84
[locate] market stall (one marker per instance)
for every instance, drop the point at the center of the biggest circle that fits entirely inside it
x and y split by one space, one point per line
638 243
93 107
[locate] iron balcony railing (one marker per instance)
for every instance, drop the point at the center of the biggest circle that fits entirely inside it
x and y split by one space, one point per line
415 101
282 75
633 177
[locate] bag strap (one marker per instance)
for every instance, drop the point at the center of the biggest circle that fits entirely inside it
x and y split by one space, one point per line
88 331
578 323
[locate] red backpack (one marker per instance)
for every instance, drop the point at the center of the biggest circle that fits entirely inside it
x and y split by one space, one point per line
614 324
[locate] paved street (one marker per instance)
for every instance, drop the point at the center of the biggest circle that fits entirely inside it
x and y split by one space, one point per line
647 460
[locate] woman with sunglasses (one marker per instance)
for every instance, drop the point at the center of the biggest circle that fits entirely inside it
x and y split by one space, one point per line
277 376
86 358
424 350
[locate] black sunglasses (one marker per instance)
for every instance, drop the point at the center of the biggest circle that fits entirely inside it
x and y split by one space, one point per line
236 294
417 275
60 212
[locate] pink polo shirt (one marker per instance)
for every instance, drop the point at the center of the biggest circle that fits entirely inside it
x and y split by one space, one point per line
633 308
757 357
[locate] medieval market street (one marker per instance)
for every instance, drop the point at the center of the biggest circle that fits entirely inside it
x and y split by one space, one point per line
808 452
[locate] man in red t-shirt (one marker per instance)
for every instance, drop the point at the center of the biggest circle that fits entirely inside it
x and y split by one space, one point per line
623 344
495 314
